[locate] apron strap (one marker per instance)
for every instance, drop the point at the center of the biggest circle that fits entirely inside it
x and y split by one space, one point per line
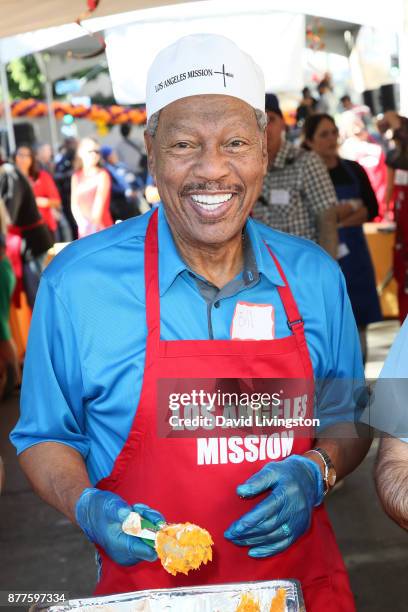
151 270
295 321
356 187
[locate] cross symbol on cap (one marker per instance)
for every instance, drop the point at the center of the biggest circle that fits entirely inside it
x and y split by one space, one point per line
228 74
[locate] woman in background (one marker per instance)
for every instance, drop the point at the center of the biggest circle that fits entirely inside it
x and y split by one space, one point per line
90 190
357 204
45 190
28 236
397 191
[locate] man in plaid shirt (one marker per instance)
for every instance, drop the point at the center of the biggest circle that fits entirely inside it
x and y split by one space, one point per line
298 196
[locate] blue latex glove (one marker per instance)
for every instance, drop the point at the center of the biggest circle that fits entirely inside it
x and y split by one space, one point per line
296 486
100 515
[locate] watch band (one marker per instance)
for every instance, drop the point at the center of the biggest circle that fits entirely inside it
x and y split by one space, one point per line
329 476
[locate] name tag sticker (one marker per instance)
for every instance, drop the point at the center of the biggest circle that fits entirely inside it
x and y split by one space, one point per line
253 322
279 196
342 250
401 177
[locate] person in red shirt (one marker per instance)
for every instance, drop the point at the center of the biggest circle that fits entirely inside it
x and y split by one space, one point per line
397 191
42 183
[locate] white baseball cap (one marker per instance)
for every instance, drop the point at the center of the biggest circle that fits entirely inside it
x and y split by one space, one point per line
203 64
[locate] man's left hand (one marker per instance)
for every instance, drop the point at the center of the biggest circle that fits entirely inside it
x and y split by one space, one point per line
296 486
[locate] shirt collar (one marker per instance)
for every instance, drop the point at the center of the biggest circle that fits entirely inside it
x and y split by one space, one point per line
264 261
285 152
171 264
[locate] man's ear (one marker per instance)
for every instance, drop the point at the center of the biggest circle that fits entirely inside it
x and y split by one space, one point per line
265 152
149 144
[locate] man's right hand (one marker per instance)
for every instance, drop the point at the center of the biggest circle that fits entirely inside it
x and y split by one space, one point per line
100 515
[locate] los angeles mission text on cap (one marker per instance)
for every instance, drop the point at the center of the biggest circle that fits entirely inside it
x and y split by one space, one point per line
190 74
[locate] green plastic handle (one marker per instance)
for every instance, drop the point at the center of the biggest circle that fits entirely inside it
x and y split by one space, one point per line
146 524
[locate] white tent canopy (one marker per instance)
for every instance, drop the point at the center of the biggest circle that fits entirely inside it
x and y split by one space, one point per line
391 16
33 14
273 39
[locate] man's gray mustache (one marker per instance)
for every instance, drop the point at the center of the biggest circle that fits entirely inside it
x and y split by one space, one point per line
210 186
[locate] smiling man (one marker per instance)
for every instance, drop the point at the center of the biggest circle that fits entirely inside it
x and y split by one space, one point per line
194 290
208 156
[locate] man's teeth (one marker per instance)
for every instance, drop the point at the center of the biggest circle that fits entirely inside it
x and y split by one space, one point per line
211 202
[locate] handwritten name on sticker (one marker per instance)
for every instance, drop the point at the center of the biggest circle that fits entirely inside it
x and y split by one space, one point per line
253 322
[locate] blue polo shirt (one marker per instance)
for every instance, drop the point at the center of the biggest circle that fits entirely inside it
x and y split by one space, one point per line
85 357
388 411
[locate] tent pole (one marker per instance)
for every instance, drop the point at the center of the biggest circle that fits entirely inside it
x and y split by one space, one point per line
7 109
403 61
49 99
51 117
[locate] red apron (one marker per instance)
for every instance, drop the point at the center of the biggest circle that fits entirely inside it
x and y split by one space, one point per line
401 248
165 473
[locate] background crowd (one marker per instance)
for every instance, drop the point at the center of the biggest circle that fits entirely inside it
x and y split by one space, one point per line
332 167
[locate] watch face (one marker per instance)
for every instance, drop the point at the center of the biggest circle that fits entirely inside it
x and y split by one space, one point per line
331 477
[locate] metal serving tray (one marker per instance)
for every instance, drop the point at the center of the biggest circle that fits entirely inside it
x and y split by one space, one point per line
211 598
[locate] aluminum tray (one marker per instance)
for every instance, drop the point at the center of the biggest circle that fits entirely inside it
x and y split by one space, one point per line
211 598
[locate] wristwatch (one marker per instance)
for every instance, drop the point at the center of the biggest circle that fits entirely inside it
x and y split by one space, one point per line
329 476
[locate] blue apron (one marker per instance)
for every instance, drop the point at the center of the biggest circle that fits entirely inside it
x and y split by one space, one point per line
356 263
